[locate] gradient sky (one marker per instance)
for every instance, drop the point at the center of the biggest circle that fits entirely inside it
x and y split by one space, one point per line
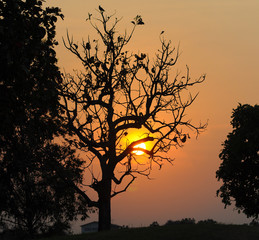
217 37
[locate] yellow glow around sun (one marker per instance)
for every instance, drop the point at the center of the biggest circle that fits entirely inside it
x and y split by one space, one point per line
139 152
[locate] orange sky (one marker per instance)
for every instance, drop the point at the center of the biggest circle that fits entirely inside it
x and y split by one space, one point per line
219 38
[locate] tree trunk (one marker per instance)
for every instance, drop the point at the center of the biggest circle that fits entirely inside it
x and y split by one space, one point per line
105 205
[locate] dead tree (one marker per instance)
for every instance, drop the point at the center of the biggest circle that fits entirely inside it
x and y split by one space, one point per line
118 92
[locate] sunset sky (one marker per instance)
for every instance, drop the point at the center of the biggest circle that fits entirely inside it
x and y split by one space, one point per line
216 37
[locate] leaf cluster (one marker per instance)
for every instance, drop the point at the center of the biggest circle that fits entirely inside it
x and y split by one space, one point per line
29 75
239 169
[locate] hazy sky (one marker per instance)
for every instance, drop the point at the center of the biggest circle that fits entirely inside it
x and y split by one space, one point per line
217 37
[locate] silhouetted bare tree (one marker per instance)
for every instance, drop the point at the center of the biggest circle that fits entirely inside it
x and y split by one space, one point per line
117 92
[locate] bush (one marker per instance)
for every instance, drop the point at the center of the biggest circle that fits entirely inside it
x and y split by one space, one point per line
154 224
183 221
255 222
188 221
13 234
207 221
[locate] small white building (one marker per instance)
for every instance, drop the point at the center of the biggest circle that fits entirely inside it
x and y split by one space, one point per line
89 227
93 227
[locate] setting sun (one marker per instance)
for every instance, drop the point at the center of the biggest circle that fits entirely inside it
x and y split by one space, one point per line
139 152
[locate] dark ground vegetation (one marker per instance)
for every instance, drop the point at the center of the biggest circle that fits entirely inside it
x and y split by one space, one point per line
176 232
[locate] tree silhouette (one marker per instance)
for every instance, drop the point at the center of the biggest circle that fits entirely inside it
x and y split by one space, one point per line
119 92
34 198
239 169
30 188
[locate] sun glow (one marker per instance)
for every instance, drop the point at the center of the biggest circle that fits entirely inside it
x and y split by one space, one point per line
139 152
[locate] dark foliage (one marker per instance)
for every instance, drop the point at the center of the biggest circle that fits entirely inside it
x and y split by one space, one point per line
154 224
33 197
182 221
29 76
207 221
254 222
177 232
239 169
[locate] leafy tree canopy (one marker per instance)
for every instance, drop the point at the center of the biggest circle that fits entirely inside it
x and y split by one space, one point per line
239 169
33 197
29 75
